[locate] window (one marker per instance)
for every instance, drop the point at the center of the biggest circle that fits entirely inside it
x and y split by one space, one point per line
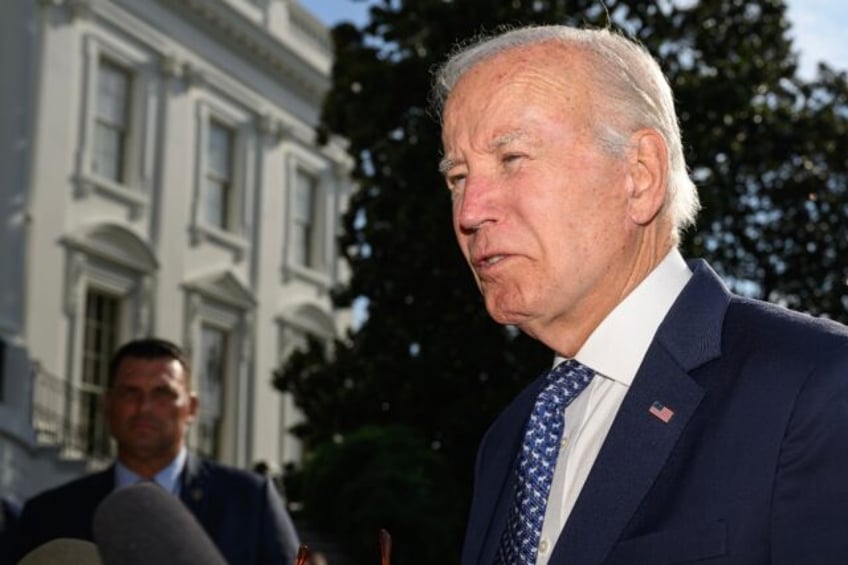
219 176
313 201
111 121
225 158
217 332
212 381
100 339
108 296
119 132
306 241
298 325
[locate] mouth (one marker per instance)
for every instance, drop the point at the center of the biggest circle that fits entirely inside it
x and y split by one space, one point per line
484 263
143 425
490 260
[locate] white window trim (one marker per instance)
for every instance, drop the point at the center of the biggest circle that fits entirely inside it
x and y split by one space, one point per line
234 239
139 162
206 306
87 271
326 202
304 320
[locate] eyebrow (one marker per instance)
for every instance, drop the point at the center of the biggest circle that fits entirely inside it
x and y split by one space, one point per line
447 163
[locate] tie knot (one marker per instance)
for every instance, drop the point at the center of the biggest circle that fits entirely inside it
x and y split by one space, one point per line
566 381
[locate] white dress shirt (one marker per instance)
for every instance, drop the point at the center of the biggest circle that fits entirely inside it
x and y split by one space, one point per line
614 351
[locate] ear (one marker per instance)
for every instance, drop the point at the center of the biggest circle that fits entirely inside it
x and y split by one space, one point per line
193 404
648 178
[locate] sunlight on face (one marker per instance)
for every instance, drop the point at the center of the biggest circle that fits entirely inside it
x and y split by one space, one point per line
539 210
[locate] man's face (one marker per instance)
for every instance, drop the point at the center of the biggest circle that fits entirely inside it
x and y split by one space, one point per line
149 409
539 210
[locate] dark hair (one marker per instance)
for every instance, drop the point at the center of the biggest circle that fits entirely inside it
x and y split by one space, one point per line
148 348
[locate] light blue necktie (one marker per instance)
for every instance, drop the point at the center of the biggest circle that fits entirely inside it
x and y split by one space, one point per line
537 460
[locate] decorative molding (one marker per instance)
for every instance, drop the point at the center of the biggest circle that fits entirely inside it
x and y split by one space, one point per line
80 9
307 63
116 244
171 66
144 305
309 318
247 334
195 76
223 287
273 129
76 269
88 184
236 244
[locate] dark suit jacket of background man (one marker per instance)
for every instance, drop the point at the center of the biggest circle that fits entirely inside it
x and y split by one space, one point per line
751 468
236 508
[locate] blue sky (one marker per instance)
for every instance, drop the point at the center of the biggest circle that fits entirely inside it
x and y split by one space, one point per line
819 27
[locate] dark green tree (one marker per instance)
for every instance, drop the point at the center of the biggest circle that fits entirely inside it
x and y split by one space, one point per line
383 478
767 149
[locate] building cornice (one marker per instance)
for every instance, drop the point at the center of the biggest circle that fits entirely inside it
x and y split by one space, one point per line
298 52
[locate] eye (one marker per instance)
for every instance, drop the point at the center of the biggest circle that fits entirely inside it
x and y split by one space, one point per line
127 394
161 394
509 159
455 181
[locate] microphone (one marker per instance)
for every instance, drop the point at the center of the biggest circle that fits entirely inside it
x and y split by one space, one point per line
143 524
63 551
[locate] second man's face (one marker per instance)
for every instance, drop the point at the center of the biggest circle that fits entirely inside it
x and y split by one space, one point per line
149 408
539 210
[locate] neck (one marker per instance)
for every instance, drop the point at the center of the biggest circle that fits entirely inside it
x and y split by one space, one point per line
567 335
146 467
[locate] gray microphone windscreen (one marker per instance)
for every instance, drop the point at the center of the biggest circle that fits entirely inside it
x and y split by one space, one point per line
63 551
143 524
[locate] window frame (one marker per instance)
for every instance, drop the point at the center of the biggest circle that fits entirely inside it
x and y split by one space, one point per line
234 237
121 127
91 417
135 187
295 325
327 209
227 372
223 302
307 252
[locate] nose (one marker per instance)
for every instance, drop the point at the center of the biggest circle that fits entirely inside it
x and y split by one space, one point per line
144 401
475 206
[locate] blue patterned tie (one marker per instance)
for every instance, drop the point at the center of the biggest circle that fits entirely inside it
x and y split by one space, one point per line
537 460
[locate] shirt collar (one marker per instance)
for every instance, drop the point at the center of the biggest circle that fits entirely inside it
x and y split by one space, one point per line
168 478
615 348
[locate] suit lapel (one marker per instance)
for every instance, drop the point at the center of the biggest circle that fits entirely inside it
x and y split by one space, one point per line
632 456
496 475
194 488
639 442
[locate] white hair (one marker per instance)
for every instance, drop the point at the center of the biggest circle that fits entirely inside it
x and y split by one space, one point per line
628 81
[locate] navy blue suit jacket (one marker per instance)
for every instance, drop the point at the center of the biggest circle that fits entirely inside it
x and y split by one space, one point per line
242 512
752 467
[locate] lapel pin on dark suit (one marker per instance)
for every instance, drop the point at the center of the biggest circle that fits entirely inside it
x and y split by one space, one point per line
196 494
660 411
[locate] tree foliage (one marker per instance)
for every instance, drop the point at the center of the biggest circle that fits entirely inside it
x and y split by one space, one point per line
383 478
767 149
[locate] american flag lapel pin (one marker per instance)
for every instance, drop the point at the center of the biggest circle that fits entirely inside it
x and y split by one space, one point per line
664 413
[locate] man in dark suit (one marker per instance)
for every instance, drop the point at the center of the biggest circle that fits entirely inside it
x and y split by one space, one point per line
149 406
682 423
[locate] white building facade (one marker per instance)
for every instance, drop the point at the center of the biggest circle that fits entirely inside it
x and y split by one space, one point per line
160 176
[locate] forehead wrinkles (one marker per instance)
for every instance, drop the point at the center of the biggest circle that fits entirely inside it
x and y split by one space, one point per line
546 76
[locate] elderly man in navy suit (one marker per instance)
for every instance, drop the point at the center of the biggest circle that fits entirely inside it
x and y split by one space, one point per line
681 423
149 406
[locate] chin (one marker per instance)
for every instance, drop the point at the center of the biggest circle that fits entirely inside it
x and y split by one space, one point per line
506 317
